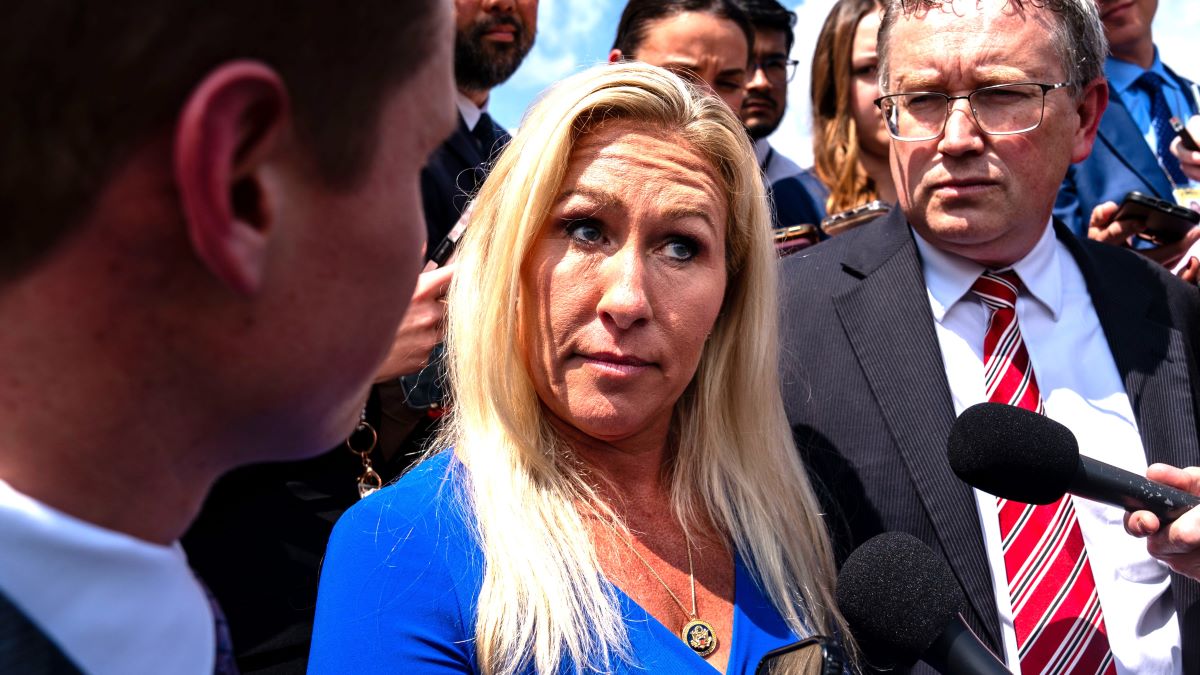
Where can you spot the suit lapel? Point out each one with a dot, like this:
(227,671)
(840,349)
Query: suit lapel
(1118,132)
(1153,360)
(1151,355)
(889,324)
(462,145)
(24,648)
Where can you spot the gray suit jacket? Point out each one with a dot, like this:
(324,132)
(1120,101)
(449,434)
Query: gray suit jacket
(25,649)
(869,403)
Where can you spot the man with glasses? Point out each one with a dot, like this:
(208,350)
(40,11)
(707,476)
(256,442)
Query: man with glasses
(763,108)
(970,292)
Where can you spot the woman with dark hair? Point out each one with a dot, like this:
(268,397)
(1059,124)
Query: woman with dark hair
(709,42)
(850,143)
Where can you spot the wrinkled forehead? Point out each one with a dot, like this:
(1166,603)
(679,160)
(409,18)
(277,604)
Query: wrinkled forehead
(985,41)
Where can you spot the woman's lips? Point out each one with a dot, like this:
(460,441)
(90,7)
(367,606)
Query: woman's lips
(621,364)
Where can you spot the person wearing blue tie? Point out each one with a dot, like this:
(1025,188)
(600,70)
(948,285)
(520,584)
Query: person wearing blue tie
(1132,149)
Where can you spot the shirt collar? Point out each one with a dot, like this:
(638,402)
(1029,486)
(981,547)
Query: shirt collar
(949,277)
(761,149)
(469,111)
(1122,74)
(86,586)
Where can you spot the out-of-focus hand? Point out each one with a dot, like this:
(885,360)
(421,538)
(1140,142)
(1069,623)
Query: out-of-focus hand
(1102,228)
(1190,271)
(1189,160)
(422,327)
(1177,544)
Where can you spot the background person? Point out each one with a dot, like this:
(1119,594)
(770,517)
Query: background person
(850,142)
(617,439)
(193,215)
(764,106)
(1131,152)
(970,292)
(708,42)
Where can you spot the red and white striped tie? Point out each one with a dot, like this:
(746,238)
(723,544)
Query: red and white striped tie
(1056,612)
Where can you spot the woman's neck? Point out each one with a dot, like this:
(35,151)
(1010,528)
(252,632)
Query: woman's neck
(879,170)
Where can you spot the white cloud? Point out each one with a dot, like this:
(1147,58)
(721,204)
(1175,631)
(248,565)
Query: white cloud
(567,32)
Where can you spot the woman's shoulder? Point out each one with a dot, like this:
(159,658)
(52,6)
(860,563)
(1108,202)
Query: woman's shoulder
(404,568)
(426,509)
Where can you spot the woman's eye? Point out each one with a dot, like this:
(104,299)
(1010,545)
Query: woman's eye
(681,249)
(587,231)
(866,71)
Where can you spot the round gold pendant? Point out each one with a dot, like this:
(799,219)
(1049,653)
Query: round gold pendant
(700,636)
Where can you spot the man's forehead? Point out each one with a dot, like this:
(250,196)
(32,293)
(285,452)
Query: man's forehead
(989,41)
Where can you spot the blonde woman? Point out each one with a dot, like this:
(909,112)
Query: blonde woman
(620,491)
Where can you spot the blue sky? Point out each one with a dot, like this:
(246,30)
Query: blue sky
(574,34)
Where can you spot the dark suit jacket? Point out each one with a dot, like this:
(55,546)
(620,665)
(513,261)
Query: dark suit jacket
(1120,161)
(453,175)
(25,649)
(869,403)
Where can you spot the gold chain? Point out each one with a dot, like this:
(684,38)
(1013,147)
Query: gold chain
(691,574)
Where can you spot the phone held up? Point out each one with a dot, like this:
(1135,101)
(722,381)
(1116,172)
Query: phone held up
(1166,222)
(792,238)
(840,222)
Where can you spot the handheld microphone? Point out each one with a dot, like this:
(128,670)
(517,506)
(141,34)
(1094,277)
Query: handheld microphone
(1020,455)
(902,603)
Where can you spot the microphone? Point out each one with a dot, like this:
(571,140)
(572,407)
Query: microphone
(902,603)
(1020,455)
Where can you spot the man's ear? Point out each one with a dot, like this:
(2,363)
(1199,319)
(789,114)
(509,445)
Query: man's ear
(229,126)
(615,56)
(1091,106)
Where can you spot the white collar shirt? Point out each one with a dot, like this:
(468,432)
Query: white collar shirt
(1082,389)
(114,604)
(775,166)
(470,112)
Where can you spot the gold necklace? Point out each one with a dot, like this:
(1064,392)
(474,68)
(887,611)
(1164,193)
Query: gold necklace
(697,633)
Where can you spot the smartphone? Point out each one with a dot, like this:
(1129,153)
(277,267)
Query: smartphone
(1185,137)
(1166,222)
(792,238)
(449,243)
(840,222)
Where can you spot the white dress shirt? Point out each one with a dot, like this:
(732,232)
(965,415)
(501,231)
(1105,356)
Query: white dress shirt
(775,166)
(469,111)
(114,604)
(1082,389)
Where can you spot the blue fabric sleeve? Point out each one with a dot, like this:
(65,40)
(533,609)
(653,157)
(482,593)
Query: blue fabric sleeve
(396,572)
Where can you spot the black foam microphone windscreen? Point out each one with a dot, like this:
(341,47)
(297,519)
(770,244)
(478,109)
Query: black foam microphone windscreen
(898,597)
(1012,452)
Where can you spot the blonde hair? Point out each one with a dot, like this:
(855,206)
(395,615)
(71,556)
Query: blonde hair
(544,599)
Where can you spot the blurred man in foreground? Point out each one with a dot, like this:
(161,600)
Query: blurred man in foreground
(194,215)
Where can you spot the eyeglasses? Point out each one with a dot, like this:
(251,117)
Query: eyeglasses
(999,110)
(776,68)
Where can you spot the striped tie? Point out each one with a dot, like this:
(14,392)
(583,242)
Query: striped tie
(1056,611)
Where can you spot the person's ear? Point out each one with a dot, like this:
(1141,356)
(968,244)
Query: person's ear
(615,56)
(229,127)
(1090,106)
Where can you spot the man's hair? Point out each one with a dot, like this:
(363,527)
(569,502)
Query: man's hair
(768,15)
(86,82)
(639,14)
(1077,36)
